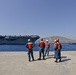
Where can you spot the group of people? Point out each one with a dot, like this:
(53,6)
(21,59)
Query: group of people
(44,49)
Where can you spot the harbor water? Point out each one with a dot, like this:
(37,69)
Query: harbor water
(65,47)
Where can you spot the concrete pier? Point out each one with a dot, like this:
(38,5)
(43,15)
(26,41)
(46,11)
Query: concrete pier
(16,63)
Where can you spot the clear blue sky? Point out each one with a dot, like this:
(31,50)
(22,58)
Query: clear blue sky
(39,17)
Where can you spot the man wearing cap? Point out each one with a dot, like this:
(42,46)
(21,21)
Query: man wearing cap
(42,47)
(58,52)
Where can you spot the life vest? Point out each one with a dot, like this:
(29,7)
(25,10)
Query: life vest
(47,45)
(42,44)
(30,45)
(59,46)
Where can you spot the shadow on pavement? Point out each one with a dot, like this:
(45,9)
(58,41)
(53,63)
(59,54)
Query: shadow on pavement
(63,60)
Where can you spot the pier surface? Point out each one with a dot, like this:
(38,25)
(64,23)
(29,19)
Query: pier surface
(16,63)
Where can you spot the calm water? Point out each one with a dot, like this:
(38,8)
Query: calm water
(65,47)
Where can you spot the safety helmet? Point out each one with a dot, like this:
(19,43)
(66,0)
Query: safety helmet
(41,39)
(46,40)
(29,40)
(57,39)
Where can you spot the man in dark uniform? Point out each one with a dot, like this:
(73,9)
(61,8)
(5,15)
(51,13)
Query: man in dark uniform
(42,47)
(58,51)
(29,45)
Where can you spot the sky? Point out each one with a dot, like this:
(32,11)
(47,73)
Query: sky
(38,17)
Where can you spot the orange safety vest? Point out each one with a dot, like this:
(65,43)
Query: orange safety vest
(42,44)
(30,45)
(47,45)
(59,46)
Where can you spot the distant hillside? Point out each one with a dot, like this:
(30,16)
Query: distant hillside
(62,39)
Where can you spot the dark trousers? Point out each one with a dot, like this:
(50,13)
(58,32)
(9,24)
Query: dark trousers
(58,54)
(41,52)
(55,53)
(30,54)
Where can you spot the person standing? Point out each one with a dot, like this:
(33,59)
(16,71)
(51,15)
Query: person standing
(29,45)
(55,48)
(42,47)
(58,52)
(47,45)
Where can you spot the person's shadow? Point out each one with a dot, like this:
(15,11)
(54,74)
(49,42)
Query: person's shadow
(63,58)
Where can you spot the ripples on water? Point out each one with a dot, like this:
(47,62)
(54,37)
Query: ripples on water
(65,47)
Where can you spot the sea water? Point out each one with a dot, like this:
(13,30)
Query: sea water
(65,47)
